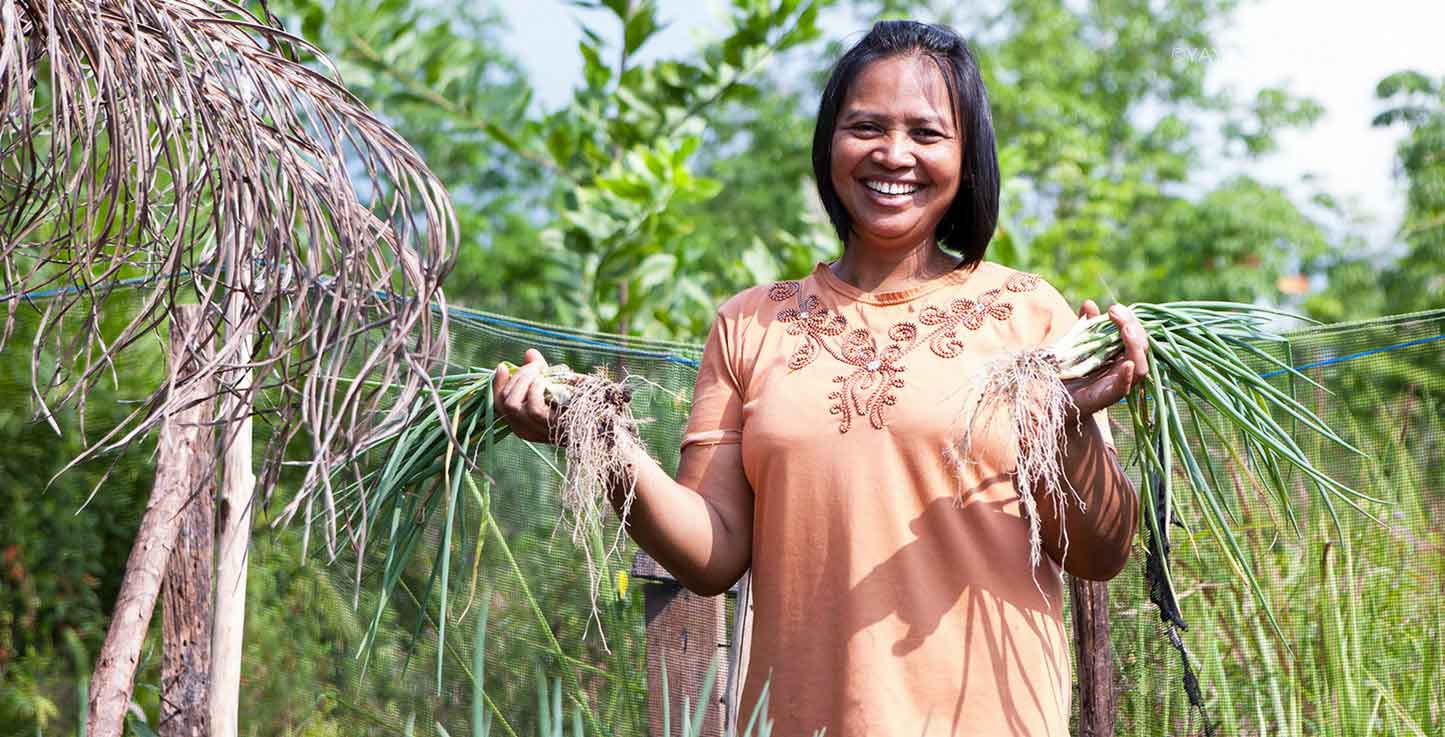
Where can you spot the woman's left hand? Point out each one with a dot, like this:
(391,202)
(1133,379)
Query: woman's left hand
(1101,389)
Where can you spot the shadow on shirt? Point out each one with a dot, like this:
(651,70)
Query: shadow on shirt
(982,526)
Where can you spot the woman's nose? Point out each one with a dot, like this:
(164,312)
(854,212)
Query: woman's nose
(894,152)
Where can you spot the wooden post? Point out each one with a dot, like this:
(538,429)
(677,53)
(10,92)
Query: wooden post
(687,632)
(1095,656)
(238,484)
(184,439)
(186,614)
(740,646)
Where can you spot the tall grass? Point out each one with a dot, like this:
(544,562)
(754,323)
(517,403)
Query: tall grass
(1359,605)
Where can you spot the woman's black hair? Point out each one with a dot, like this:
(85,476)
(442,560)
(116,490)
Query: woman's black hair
(968,225)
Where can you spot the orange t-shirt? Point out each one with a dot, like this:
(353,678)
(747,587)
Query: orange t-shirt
(892,589)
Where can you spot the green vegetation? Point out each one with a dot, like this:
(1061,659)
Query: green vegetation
(662,186)
(1358,607)
(1199,356)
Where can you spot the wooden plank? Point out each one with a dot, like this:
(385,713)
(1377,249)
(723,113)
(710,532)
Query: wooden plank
(740,645)
(686,632)
(1095,656)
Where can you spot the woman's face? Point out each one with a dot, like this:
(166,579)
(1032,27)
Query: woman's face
(896,152)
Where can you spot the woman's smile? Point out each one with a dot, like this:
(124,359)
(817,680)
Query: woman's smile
(889,191)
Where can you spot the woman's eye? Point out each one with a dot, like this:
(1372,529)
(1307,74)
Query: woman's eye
(928,134)
(867,128)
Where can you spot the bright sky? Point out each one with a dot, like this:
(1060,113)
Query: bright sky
(1331,51)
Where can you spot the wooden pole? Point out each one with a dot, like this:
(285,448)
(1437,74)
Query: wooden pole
(184,439)
(1095,655)
(687,632)
(186,615)
(238,484)
(741,645)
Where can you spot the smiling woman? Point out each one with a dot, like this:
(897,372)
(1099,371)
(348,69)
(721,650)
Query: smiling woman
(895,590)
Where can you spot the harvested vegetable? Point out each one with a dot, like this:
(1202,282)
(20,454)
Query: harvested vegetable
(1197,362)
(421,468)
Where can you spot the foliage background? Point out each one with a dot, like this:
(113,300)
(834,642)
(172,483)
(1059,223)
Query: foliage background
(664,185)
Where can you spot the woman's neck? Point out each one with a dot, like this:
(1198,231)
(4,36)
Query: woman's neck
(892,269)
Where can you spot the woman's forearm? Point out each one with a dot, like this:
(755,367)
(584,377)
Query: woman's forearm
(1099,537)
(693,537)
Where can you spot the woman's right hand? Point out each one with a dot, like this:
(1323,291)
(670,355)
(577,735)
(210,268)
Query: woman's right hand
(519,401)
(698,526)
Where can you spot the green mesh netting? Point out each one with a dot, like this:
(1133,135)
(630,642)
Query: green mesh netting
(1360,604)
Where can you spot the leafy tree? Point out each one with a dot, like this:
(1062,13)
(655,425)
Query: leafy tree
(623,145)
(1417,102)
(1408,277)
(1099,111)
(765,223)
(585,215)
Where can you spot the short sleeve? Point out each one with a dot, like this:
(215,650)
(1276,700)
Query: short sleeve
(1059,319)
(717,396)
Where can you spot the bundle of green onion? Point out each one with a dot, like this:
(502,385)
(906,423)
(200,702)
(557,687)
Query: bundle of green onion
(418,472)
(1199,385)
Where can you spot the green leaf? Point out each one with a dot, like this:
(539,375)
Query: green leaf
(629,188)
(620,8)
(312,21)
(759,263)
(140,727)
(686,149)
(640,27)
(559,145)
(655,270)
(635,103)
(596,73)
(599,226)
(702,189)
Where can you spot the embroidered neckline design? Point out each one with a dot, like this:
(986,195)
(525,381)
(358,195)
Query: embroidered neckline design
(877,372)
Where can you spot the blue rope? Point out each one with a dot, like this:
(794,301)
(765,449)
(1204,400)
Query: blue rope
(465,314)
(458,312)
(66,291)
(470,315)
(1353,356)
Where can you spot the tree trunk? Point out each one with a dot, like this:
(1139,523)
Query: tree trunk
(238,483)
(186,596)
(184,436)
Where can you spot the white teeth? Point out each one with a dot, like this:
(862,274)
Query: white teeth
(891,188)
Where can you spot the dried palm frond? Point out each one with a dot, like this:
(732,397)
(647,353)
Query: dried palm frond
(182,147)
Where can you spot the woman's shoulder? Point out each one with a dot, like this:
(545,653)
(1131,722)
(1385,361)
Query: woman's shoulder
(1036,307)
(994,275)
(1035,304)
(764,297)
(751,300)
(1018,285)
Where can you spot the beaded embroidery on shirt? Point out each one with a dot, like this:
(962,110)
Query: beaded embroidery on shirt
(877,372)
